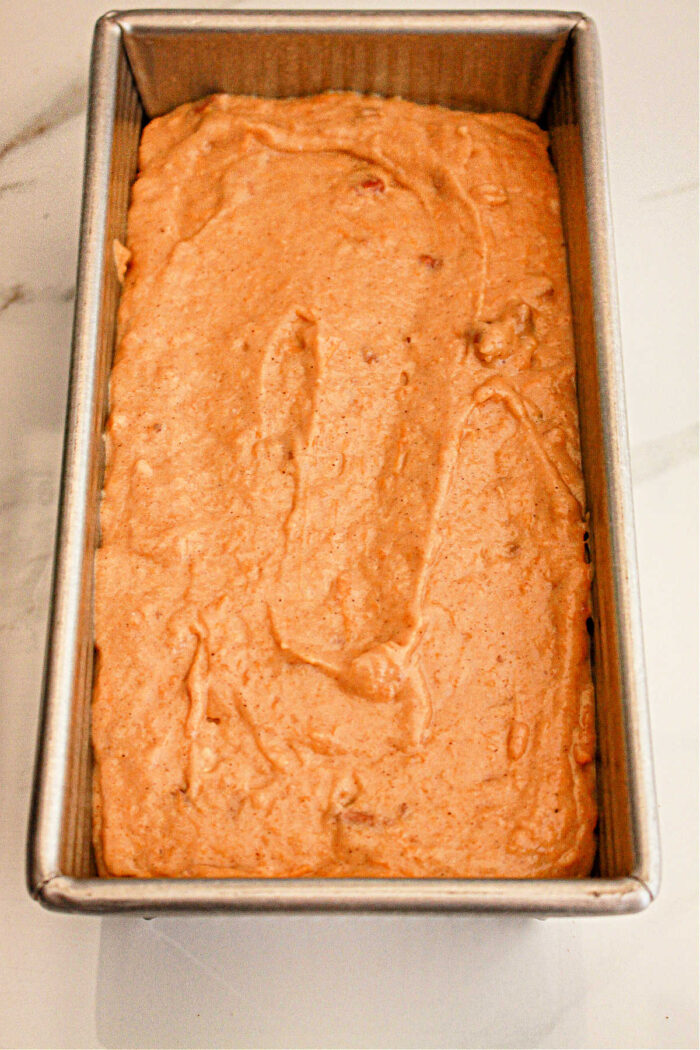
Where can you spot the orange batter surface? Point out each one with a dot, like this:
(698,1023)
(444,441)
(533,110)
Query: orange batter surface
(341,596)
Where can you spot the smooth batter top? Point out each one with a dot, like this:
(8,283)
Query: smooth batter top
(342,591)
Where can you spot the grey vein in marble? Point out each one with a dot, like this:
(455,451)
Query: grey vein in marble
(17,186)
(28,500)
(19,294)
(672,191)
(68,103)
(654,457)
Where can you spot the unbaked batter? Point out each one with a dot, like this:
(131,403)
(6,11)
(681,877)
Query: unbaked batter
(341,596)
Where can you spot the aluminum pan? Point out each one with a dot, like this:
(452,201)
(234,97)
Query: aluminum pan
(543,65)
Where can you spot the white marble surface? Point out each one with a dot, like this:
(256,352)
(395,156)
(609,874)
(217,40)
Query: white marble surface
(348,981)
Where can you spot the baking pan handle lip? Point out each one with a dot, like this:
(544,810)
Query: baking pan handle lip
(94,896)
(164,20)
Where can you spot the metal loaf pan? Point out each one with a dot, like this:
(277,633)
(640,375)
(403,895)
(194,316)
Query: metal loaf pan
(544,66)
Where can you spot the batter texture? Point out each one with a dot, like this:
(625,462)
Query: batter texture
(342,590)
